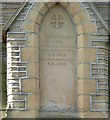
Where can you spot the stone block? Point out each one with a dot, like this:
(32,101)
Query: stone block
(74,8)
(30,54)
(50,4)
(38,6)
(32,39)
(39,18)
(86,27)
(83,71)
(33,70)
(33,101)
(80,86)
(64,4)
(30,26)
(95,115)
(86,55)
(83,41)
(16,35)
(80,102)
(89,27)
(32,113)
(80,17)
(30,85)
(86,86)
(35,15)
(87,102)
(19,105)
(44,10)
(20,42)
(103,30)
(86,70)
(84,102)
(32,14)
(99,37)
(80,29)
(14,28)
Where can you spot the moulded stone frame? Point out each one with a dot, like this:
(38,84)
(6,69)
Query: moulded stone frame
(79,25)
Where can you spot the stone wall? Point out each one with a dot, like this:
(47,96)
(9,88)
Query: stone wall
(24,42)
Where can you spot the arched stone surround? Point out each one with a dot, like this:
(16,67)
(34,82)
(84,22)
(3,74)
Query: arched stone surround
(85,55)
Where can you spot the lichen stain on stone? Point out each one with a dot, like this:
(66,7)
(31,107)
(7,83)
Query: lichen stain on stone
(52,106)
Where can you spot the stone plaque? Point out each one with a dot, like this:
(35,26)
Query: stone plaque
(57,62)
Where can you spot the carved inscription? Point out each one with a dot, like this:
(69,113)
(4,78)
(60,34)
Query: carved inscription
(57,21)
(55,51)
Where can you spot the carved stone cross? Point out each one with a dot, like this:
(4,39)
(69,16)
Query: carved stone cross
(57,21)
